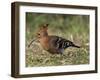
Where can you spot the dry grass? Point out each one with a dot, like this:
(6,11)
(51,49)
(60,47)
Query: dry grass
(36,56)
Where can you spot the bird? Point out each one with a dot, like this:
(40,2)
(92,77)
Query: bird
(52,43)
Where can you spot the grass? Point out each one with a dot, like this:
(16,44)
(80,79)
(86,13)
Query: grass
(71,27)
(71,56)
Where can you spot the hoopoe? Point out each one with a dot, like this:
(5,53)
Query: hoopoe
(52,43)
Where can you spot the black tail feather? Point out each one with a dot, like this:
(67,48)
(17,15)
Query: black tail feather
(76,46)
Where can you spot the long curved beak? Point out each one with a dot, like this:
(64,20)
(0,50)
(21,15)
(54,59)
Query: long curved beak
(32,42)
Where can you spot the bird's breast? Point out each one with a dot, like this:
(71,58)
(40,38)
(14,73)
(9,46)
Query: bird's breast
(44,43)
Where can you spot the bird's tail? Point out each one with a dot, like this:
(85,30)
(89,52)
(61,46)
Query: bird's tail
(76,46)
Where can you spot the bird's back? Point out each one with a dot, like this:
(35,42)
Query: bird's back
(58,44)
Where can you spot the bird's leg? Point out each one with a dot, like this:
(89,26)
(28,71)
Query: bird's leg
(62,54)
(61,51)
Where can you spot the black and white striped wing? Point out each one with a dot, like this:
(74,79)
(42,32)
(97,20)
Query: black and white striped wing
(61,43)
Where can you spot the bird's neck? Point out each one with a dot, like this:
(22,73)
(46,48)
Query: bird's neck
(44,40)
(44,35)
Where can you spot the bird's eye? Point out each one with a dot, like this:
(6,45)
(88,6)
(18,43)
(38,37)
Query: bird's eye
(38,34)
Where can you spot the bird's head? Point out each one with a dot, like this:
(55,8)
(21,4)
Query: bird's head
(42,32)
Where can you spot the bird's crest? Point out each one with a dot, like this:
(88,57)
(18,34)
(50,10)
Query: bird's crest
(44,27)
